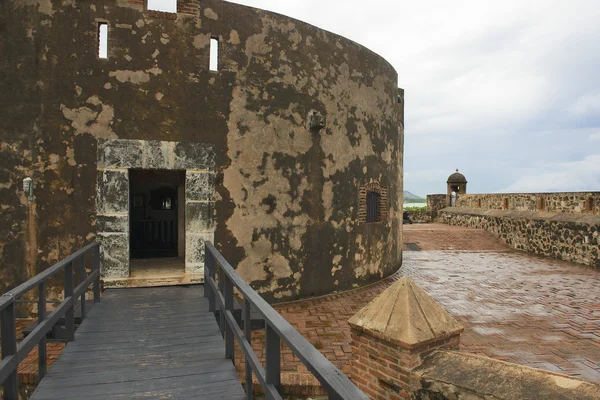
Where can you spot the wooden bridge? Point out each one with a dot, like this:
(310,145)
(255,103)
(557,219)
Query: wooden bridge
(155,342)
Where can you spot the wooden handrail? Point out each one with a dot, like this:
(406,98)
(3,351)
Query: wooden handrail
(277,329)
(13,354)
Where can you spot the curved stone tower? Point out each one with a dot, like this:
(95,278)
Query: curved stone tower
(288,156)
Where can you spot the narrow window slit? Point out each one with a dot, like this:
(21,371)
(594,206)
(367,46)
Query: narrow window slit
(102,40)
(214,54)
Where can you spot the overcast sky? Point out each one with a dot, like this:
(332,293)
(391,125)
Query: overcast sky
(506,91)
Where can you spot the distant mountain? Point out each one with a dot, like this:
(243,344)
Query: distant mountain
(410,196)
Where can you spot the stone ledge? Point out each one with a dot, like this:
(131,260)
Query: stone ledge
(454,375)
(183,279)
(590,219)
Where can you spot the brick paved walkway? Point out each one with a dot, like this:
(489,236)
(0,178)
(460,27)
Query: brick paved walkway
(446,237)
(529,310)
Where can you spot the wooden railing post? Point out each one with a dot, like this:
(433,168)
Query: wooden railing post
(9,348)
(96,267)
(248,335)
(222,275)
(229,347)
(81,264)
(273,357)
(42,344)
(209,272)
(70,314)
(277,330)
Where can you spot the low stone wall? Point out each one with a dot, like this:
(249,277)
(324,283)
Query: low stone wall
(567,202)
(436,202)
(567,236)
(420,216)
(453,375)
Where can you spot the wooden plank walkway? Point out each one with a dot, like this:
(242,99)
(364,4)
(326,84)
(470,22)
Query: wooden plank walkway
(145,343)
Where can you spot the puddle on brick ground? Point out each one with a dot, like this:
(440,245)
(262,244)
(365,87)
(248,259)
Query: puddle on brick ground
(482,330)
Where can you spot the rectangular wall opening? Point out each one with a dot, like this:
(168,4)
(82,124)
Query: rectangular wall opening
(214,54)
(154,213)
(589,205)
(102,40)
(169,6)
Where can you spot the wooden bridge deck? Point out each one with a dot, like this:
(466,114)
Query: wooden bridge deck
(145,343)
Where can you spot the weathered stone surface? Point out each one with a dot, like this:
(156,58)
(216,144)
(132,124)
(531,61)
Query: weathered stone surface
(405,315)
(114,255)
(112,194)
(199,218)
(199,186)
(453,375)
(113,223)
(115,153)
(158,155)
(286,199)
(194,251)
(436,202)
(563,202)
(193,156)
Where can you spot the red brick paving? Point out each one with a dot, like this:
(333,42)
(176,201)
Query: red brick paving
(529,310)
(28,369)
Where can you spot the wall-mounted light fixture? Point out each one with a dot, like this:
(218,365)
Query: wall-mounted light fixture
(28,186)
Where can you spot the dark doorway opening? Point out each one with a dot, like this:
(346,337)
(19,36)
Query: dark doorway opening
(154,211)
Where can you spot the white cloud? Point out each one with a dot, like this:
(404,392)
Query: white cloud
(582,175)
(586,105)
(491,87)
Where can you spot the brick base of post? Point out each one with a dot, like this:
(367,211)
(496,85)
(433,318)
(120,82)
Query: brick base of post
(383,369)
(392,335)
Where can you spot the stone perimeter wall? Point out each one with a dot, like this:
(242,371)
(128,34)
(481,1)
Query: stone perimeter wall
(568,202)
(569,237)
(286,198)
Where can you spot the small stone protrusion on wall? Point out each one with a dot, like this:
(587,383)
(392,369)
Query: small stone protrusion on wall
(392,335)
(316,121)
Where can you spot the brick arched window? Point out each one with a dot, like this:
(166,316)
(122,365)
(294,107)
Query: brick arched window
(373,199)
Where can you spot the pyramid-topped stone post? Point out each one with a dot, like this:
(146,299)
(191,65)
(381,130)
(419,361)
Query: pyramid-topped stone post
(392,334)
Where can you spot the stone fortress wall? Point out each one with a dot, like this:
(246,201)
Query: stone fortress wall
(277,146)
(561,225)
(568,202)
